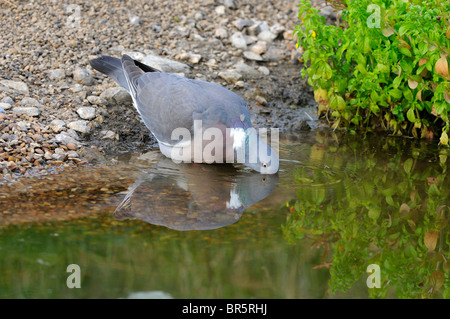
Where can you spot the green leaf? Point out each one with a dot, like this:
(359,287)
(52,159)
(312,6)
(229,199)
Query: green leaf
(405,51)
(396,93)
(410,115)
(324,70)
(396,82)
(407,165)
(423,48)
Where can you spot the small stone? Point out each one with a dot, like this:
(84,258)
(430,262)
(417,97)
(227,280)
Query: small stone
(221,33)
(116,95)
(83,76)
(5,106)
(220,10)
(231,76)
(254,29)
(29,101)
(96,100)
(252,56)
(264,70)
(259,47)
(7,99)
(267,36)
(261,100)
(56,74)
(57,125)
(29,111)
(66,139)
(242,23)
(274,54)
(238,41)
(72,154)
(276,29)
(18,86)
(134,20)
(190,57)
(108,134)
(246,70)
(86,112)
(229,4)
(71,146)
(79,126)
(165,65)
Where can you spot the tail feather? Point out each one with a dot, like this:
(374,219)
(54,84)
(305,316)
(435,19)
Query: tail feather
(112,67)
(132,72)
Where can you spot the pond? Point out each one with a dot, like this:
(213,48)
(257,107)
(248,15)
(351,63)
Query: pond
(347,216)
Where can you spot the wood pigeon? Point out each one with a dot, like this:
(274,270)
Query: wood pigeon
(192,120)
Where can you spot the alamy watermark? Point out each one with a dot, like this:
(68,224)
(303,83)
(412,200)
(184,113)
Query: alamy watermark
(74,279)
(226,145)
(374,278)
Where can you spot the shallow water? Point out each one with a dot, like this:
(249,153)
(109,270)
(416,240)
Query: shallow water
(145,225)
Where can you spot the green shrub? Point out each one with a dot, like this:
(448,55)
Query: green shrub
(383,66)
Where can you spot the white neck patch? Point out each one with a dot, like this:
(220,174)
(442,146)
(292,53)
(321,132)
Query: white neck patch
(238,135)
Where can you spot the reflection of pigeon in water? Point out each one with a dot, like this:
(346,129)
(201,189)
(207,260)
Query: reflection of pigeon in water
(193,197)
(168,103)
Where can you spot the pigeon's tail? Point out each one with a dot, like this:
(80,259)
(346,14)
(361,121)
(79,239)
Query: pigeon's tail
(112,67)
(131,72)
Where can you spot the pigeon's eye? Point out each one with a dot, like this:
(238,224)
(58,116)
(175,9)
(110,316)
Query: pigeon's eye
(264,165)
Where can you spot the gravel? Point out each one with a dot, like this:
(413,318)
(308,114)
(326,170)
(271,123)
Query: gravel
(47,84)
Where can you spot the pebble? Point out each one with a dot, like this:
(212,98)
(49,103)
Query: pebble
(96,100)
(27,110)
(83,76)
(66,139)
(221,33)
(116,95)
(56,74)
(259,47)
(220,10)
(242,23)
(246,70)
(252,56)
(18,86)
(229,4)
(238,41)
(57,125)
(231,76)
(165,65)
(7,99)
(134,20)
(267,36)
(264,70)
(79,126)
(29,101)
(5,106)
(86,112)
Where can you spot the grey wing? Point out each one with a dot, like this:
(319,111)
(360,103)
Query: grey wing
(166,102)
(232,102)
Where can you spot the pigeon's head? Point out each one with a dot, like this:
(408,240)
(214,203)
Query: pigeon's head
(252,151)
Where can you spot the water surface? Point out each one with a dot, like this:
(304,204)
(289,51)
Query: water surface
(339,204)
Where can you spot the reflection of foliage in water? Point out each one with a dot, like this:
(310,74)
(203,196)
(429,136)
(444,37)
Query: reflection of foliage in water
(391,210)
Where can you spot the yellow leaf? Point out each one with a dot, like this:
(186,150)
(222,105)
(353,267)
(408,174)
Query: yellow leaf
(412,84)
(313,34)
(444,138)
(430,239)
(441,66)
